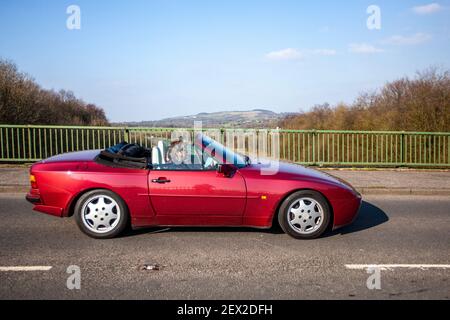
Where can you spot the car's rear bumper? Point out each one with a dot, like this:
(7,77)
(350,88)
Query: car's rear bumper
(53,211)
(35,198)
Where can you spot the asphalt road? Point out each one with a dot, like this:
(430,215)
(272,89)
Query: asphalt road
(219,263)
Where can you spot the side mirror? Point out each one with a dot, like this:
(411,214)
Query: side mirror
(228,170)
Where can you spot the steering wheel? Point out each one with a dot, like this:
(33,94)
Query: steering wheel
(210,163)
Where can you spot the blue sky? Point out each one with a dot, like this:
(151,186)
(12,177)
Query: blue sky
(150,59)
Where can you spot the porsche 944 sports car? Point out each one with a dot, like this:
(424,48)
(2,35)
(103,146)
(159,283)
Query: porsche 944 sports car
(108,190)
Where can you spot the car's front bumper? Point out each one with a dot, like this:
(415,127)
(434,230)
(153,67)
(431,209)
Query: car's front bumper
(347,210)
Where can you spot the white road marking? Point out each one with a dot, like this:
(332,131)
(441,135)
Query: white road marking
(393,266)
(26,268)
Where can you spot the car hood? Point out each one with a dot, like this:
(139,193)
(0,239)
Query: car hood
(290,171)
(79,156)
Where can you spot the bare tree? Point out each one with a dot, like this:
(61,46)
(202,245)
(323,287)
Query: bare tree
(418,104)
(23,101)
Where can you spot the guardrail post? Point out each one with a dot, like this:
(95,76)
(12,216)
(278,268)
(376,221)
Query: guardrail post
(126,135)
(314,134)
(402,150)
(222,135)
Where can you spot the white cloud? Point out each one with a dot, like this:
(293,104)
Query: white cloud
(296,54)
(428,8)
(285,54)
(414,39)
(363,48)
(324,52)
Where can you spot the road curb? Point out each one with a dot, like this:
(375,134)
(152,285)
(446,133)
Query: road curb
(14,189)
(403,191)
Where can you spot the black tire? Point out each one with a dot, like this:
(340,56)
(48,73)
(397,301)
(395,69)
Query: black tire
(284,215)
(119,225)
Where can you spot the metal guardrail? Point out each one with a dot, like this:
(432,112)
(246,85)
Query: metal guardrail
(23,143)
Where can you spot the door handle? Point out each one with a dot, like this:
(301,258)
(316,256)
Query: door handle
(160,180)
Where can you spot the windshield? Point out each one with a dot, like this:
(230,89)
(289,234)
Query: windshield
(220,153)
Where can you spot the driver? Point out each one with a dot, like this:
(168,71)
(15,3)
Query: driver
(177,152)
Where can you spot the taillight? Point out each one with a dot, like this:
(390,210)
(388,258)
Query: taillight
(33,181)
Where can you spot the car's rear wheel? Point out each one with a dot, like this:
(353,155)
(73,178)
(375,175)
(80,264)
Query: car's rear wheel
(101,214)
(304,214)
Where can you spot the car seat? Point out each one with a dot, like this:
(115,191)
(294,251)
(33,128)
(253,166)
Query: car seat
(159,152)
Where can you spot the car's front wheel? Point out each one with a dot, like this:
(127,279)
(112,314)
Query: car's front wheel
(304,214)
(101,214)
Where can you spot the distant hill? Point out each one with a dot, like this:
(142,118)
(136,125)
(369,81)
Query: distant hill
(257,118)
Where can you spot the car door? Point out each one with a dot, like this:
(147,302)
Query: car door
(197,197)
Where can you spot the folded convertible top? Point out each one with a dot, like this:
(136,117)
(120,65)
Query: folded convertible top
(125,155)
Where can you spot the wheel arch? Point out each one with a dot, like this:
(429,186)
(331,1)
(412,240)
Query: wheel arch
(277,209)
(71,207)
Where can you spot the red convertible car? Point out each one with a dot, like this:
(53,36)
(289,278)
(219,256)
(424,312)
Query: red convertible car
(106,191)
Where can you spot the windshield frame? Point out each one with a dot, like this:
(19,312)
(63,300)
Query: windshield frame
(221,153)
